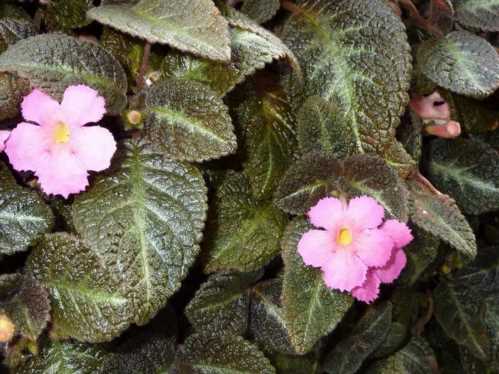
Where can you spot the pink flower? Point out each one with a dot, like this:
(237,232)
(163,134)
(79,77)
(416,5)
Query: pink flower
(4,135)
(60,149)
(352,246)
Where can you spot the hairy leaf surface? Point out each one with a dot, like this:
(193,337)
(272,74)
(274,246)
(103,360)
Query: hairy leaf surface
(482,14)
(14,29)
(260,10)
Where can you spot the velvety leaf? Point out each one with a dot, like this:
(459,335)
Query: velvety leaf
(66,15)
(14,29)
(260,11)
(65,358)
(354,54)
(222,304)
(52,62)
(468,170)
(410,134)
(462,63)
(12,91)
(88,300)
(415,358)
(26,303)
(267,126)
(243,235)
(311,309)
(209,354)
(194,26)
(188,121)
(317,175)
(12,11)
(24,216)
(150,222)
(478,14)
(440,216)
(368,334)
(286,364)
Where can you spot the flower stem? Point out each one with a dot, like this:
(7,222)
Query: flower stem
(144,66)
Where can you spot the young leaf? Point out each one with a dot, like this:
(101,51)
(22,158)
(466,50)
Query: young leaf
(24,216)
(52,62)
(355,54)
(188,121)
(150,222)
(317,175)
(260,11)
(468,170)
(348,356)
(243,234)
(311,309)
(194,26)
(440,216)
(66,15)
(207,353)
(483,15)
(462,63)
(14,29)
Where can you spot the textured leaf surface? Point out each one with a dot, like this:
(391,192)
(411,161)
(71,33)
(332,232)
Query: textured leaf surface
(66,15)
(194,26)
(14,29)
(260,10)
(355,54)
(468,170)
(52,62)
(317,175)
(348,356)
(188,121)
(482,14)
(462,63)
(243,234)
(208,354)
(24,216)
(12,91)
(311,309)
(441,217)
(151,217)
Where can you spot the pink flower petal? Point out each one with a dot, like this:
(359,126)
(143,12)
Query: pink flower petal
(398,231)
(40,108)
(316,247)
(94,146)
(4,135)
(373,247)
(26,145)
(82,104)
(61,173)
(430,107)
(392,270)
(326,212)
(369,291)
(344,271)
(365,212)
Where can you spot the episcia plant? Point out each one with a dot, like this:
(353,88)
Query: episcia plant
(252,186)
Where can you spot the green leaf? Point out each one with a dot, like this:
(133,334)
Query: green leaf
(481,14)
(440,216)
(317,175)
(12,91)
(222,304)
(267,126)
(468,170)
(260,11)
(150,222)
(27,304)
(188,121)
(243,235)
(462,63)
(65,358)
(52,62)
(12,11)
(209,354)
(415,358)
(194,26)
(66,15)
(410,134)
(14,29)
(88,301)
(24,216)
(354,54)
(286,364)
(348,356)
(311,309)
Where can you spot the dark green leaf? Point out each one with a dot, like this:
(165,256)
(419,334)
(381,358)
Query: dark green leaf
(188,121)
(311,309)
(194,26)
(12,11)
(482,14)
(14,29)
(462,63)
(24,216)
(52,62)
(410,134)
(317,175)
(243,235)
(440,216)
(209,354)
(12,91)
(292,364)
(260,10)
(66,15)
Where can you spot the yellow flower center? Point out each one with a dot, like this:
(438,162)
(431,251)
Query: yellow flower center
(344,237)
(61,133)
